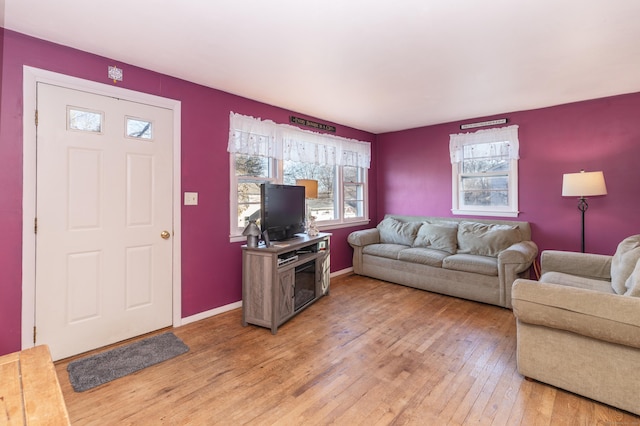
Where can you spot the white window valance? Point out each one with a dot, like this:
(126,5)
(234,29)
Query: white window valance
(253,136)
(503,134)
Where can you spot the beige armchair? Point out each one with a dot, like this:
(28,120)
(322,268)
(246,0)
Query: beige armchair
(578,328)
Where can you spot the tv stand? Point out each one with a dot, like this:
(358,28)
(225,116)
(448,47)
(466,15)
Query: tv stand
(282,280)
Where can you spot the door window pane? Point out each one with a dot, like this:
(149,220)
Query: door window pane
(84,120)
(139,129)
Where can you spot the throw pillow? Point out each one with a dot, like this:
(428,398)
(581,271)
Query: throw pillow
(633,282)
(486,239)
(623,262)
(393,231)
(441,236)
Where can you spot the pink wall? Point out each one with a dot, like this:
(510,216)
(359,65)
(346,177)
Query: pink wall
(211,266)
(414,172)
(411,173)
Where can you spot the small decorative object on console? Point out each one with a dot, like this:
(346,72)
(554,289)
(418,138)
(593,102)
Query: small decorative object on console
(252,232)
(312,229)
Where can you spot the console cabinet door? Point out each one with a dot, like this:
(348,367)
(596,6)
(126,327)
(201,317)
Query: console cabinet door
(325,275)
(285,293)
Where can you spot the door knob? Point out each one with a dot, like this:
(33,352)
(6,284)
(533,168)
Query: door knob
(165,235)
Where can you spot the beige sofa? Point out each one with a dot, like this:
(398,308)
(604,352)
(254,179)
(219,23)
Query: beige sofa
(466,258)
(579,327)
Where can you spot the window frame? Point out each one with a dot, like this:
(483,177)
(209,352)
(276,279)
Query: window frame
(363,173)
(282,142)
(235,234)
(506,134)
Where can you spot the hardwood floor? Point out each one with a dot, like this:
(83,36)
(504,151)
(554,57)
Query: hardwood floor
(371,353)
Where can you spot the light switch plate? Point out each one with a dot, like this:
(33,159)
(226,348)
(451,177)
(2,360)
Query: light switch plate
(190,198)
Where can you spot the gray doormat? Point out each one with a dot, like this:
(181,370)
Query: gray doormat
(95,370)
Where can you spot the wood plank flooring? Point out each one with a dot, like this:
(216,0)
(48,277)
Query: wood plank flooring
(371,353)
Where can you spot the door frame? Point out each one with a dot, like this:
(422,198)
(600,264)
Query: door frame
(32,76)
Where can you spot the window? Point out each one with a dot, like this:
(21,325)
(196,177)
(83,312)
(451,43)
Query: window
(485,172)
(354,191)
(323,208)
(262,151)
(250,173)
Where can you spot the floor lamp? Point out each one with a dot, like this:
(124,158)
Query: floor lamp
(583,184)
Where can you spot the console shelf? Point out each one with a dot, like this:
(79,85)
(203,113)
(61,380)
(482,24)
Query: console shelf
(282,280)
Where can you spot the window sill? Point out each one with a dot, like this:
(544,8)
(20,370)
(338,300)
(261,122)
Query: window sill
(323,228)
(339,225)
(485,213)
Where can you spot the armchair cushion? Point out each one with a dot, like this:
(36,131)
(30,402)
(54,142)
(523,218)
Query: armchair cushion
(633,282)
(608,317)
(588,265)
(576,281)
(623,265)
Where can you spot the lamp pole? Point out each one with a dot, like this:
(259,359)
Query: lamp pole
(583,206)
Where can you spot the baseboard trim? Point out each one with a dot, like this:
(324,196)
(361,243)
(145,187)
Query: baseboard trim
(236,305)
(211,312)
(341,272)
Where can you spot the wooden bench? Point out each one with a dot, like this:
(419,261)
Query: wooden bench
(29,389)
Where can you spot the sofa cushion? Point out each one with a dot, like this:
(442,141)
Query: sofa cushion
(384,250)
(441,236)
(576,281)
(425,256)
(624,262)
(472,263)
(486,239)
(633,282)
(395,232)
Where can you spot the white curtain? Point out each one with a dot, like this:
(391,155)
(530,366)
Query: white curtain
(503,134)
(252,136)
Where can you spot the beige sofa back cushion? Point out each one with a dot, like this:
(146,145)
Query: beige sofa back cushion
(486,240)
(441,236)
(524,227)
(633,282)
(393,231)
(624,263)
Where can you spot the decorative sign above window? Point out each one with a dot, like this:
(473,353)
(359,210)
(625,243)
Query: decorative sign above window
(483,123)
(115,74)
(314,124)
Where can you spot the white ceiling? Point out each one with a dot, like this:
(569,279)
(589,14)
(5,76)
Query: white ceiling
(376,65)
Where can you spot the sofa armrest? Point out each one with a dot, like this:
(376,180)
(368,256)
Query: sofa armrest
(603,316)
(358,240)
(513,263)
(364,237)
(522,254)
(586,265)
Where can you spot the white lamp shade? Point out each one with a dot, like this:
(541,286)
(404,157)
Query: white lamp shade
(310,187)
(583,184)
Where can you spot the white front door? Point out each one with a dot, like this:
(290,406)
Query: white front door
(104,219)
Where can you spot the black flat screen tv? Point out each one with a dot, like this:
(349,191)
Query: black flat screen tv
(282,210)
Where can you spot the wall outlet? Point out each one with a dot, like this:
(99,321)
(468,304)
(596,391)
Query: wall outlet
(190,198)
